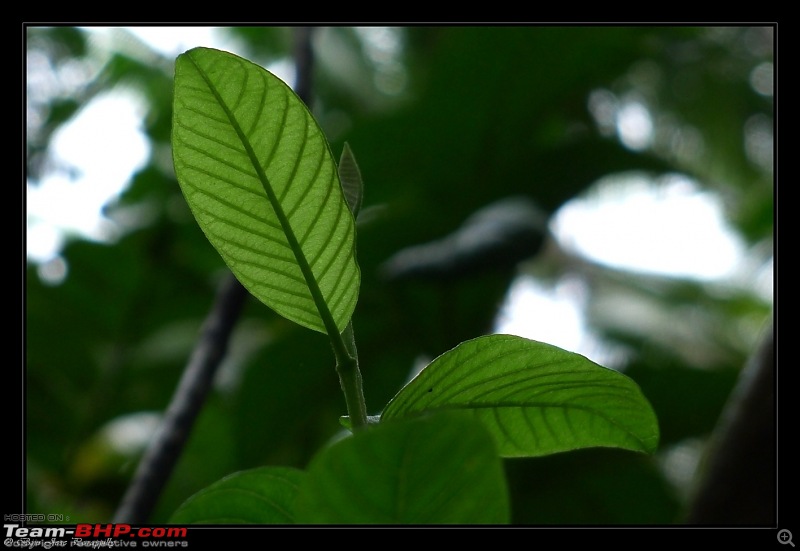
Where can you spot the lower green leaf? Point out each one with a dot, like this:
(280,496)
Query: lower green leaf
(439,469)
(535,398)
(259,496)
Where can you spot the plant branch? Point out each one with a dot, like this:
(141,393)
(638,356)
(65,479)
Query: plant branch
(350,380)
(738,483)
(163,452)
(304,63)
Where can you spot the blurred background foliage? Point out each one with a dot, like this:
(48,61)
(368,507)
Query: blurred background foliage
(443,121)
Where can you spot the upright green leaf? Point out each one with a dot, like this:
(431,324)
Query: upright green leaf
(264,495)
(260,179)
(534,398)
(352,183)
(439,469)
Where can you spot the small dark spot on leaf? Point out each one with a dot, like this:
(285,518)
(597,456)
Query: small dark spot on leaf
(430,390)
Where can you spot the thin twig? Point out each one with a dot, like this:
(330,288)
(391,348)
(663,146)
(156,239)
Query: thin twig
(304,63)
(161,456)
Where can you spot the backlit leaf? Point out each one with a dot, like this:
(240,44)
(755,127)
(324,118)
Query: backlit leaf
(535,398)
(260,179)
(352,183)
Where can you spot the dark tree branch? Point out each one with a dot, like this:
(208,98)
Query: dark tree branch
(161,456)
(304,63)
(164,451)
(738,480)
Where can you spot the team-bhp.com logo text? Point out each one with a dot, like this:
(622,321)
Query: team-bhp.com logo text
(94,536)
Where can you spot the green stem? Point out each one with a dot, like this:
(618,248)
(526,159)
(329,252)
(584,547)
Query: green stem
(350,378)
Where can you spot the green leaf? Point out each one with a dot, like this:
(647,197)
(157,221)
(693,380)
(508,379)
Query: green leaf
(440,469)
(535,399)
(352,184)
(260,179)
(264,495)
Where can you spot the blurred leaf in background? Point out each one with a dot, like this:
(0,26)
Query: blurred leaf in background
(443,121)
